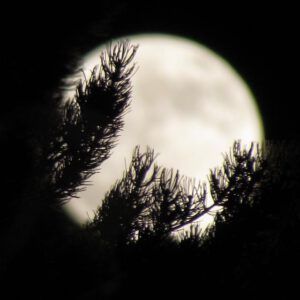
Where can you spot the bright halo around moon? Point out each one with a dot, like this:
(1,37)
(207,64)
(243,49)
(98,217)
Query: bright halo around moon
(188,104)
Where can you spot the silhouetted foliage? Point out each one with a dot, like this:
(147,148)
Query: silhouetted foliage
(91,122)
(132,247)
(158,201)
(148,201)
(58,150)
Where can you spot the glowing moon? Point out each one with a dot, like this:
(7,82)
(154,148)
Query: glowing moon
(187,103)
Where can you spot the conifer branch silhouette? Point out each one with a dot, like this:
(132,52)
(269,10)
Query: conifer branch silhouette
(125,208)
(153,200)
(237,183)
(147,200)
(50,151)
(91,121)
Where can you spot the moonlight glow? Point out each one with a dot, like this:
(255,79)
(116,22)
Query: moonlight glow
(188,104)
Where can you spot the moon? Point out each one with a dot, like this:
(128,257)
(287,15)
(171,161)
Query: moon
(188,104)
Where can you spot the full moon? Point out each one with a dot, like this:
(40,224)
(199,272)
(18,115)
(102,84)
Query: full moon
(188,104)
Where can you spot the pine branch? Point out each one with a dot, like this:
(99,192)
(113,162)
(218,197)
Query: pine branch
(126,207)
(158,201)
(148,200)
(91,122)
(177,201)
(238,181)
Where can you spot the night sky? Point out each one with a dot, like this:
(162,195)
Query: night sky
(41,44)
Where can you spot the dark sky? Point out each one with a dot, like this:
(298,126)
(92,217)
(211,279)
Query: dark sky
(40,43)
(258,41)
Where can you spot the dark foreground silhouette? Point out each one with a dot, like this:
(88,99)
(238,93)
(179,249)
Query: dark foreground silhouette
(128,249)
